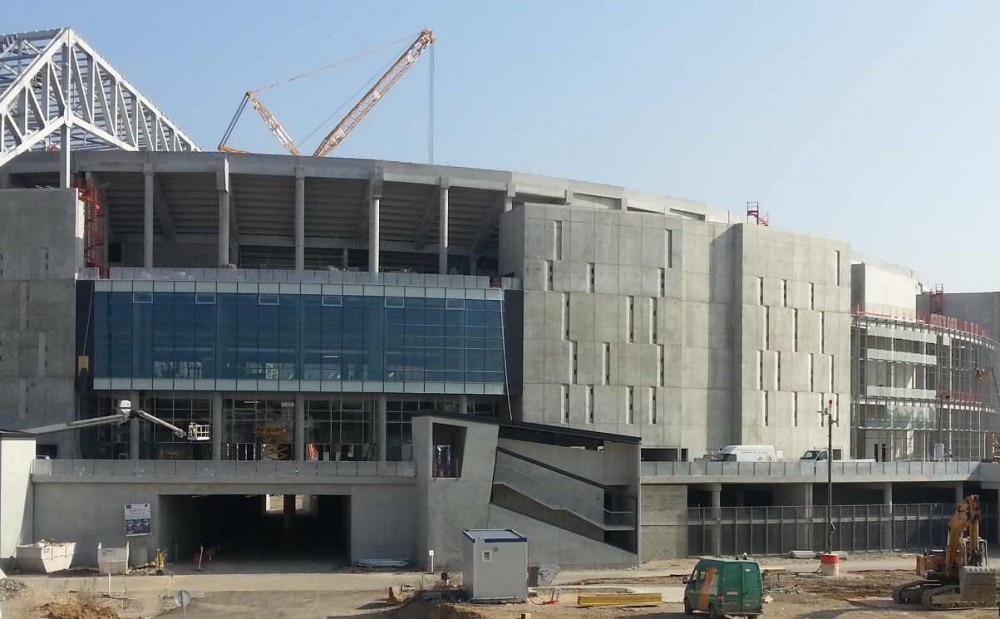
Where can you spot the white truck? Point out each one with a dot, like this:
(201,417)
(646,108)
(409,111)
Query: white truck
(820,454)
(747,453)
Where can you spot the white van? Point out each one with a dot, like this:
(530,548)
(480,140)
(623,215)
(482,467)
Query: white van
(747,453)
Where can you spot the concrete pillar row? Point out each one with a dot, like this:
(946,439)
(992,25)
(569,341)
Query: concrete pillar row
(300,427)
(887,494)
(222,184)
(373,233)
(443,229)
(716,536)
(216,428)
(300,219)
(147,216)
(380,423)
(508,200)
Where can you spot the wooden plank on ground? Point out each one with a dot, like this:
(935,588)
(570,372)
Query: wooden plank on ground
(619,599)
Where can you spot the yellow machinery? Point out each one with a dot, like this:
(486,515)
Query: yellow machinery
(956,577)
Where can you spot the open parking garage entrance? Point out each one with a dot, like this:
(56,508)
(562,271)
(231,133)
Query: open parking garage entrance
(251,532)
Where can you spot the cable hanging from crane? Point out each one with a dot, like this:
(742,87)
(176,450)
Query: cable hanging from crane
(340,132)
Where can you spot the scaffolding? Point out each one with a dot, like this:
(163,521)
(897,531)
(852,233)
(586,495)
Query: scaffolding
(920,389)
(93,221)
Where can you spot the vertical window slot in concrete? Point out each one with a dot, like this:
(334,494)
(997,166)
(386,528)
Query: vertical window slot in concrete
(661,362)
(630,405)
(564,403)
(777,369)
(833,372)
(652,321)
(764,405)
(669,250)
(548,275)
(812,296)
(795,409)
(822,320)
(653,417)
(565,316)
(795,330)
(573,362)
(767,328)
(812,374)
(784,293)
(760,369)
(557,239)
(760,290)
(663,282)
(590,277)
(606,362)
(836,265)
(589,404)
(630,319)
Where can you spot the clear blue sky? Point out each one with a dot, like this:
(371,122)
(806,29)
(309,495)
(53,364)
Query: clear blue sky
(872,122)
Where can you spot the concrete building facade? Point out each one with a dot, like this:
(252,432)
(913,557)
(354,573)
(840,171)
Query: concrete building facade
(572,343)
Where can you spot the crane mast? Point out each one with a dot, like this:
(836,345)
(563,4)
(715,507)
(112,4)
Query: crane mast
(375,93)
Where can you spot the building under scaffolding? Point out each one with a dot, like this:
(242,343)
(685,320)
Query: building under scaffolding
(922,388)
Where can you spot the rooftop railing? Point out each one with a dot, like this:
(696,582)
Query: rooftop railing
(210,469)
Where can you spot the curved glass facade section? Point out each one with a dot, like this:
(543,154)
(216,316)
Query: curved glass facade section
(326,342)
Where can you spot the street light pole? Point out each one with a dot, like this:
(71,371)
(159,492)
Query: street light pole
(827,416)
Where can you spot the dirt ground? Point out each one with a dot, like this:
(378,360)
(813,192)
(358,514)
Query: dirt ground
(797,595)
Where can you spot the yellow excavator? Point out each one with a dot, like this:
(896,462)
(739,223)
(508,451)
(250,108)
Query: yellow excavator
(958,576)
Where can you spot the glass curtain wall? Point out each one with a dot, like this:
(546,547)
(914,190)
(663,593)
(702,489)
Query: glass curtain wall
(279,337)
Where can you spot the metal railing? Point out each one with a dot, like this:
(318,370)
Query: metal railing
(797,469)
(560,497)
(859,528)
(401,278)
(209,469)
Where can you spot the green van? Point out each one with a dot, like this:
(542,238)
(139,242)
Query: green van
(723,587)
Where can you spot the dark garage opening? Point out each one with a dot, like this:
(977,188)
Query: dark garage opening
(248,531)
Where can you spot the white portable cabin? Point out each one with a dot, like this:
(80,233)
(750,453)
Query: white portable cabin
(495,565)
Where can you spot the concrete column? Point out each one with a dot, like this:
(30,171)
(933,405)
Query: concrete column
(716,537)
(222,183)
(147,217)
(380,426)
(288,519)
(216,428)
(473,265)
(373,233)
(886,522)
(133,429)
(959,492)
(443,229)
(300,427)
(300,219)
(463,404)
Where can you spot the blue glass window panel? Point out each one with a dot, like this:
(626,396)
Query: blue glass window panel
(454,304)
(267,298)
(185,335)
